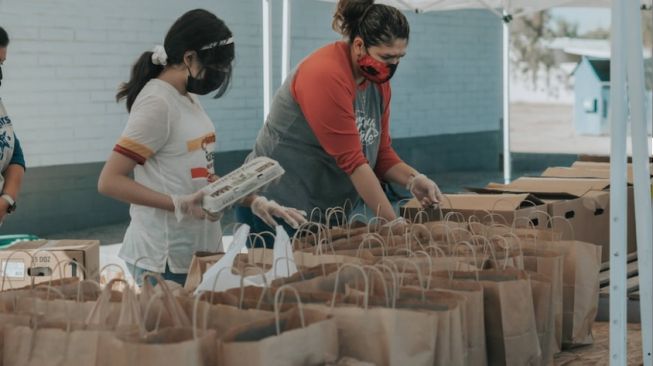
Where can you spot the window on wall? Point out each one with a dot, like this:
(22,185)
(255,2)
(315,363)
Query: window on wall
(590,105)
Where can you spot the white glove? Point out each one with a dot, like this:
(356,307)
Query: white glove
(266,210)
(424,190)
(190,205)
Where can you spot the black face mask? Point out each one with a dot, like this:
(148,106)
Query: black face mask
(212,80)
(0,76)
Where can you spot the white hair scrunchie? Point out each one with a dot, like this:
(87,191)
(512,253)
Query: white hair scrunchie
(159,55)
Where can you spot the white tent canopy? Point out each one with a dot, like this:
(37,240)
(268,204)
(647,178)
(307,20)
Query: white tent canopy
(514,7)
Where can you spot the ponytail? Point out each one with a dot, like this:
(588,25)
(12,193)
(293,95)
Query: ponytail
(142,72)
(197,30)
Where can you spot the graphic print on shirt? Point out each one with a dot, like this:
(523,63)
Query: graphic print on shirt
(367,128)
(207,144)
(5,143)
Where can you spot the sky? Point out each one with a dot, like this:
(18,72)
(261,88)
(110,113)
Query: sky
(587,18)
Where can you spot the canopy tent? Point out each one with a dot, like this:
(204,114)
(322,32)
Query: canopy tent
(628,75)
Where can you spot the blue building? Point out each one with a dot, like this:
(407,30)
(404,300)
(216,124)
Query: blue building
(592,95)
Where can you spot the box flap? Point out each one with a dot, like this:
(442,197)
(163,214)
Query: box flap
(497,188)
(552,187)
(487,202)
(596,169)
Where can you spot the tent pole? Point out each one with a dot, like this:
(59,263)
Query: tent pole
(507,161)
(285,55)
(618,205)
(641,173)
(267,57)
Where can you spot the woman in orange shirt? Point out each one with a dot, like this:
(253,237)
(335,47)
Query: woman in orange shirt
(329,122)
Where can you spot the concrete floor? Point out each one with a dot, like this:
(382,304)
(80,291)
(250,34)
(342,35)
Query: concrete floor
(549,129)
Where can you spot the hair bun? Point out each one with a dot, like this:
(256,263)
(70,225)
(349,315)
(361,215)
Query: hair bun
(348,14)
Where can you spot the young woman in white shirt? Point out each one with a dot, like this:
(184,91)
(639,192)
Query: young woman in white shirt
(168,146)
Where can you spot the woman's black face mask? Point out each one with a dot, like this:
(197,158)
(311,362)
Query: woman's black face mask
(210,81)
(0,76)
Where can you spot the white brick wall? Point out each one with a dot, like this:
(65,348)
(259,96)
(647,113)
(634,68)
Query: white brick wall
(67,57)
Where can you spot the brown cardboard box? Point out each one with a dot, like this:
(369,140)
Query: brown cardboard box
(601,170)
(39,261)
(509,206)
(584,202)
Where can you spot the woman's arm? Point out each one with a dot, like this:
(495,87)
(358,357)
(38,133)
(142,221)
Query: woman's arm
(369,188)
(13,176)
(115,182)
(400,174)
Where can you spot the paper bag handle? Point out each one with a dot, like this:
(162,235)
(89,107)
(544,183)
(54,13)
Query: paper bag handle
(277,299)
(367,284)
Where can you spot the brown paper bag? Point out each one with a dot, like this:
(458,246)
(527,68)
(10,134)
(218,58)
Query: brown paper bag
(50,346)
(304,337)
(383,336)
(169,346)
(446,310)
(198,265)
(582,264)
(549,264)
(7,322)
(544,317)
(511,334)
(472,308)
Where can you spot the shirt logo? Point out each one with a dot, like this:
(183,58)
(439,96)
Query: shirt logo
(367,129)
(5,142)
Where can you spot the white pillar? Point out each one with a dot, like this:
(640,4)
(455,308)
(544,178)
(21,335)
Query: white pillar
(285,55)
(267,57)
(507,161)
(618,196)
(641,171)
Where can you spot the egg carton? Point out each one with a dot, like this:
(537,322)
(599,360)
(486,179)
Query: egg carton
(240,183)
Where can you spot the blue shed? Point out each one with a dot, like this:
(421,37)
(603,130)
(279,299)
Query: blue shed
(592,96)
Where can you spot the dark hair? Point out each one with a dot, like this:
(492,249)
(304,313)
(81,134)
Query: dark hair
(376,24)
(4,38)
(197,30)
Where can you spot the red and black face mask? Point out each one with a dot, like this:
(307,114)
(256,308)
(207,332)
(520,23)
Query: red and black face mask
(376,71)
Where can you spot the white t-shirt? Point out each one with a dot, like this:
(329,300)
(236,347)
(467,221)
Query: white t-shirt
(172,139)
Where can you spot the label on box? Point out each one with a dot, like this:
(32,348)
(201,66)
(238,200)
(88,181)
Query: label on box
(13,269)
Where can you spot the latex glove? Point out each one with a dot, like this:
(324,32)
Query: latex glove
(424,190)
(266,210)
(190,205)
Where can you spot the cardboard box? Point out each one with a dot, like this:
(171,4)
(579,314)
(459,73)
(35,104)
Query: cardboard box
(33,262)
(509,206)
(602,169)
(584,202)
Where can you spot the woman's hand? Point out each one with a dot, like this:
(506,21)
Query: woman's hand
(266,210)
(424,190)
(190,205)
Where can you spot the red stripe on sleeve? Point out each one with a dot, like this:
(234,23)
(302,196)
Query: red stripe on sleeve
(139,159)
